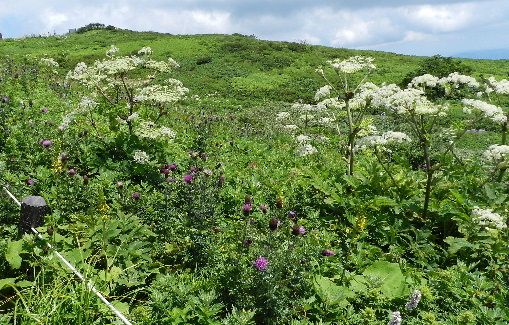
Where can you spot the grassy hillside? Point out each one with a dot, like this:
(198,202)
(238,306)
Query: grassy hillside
(235,66)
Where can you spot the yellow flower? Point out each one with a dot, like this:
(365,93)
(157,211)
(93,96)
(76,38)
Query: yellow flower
(103,208)
(361,223)
(58,166)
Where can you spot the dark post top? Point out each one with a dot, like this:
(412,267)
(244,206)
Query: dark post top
(33,210)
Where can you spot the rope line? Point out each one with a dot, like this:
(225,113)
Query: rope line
(89,283)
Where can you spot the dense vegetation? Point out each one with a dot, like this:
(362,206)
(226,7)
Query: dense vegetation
(222,187)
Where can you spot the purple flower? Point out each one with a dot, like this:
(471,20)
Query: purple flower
(172,167)
(274,224)
(71,172)
(247,208)
(298,230)
(44,110)
(247,242)
(328,252)
(188,178)
(193,170)
(136,196)
(292,215)
(30,181)
(165,169)
(46,143)
(261,263)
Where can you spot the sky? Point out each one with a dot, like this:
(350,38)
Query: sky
(415,27)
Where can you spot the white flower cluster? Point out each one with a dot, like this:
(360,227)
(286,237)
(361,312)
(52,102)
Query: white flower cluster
(303,138)
(49,62)
(353,64)
(425,80)
(495,113)
(290,127)
(161,94)
(499,87)
(414,300)
(141,157)
(306,149)
(160,66)
(497,153)
(118,65)
(488,218)
(323,92)
(411,101)
(149,130)
(282,115)
(85,105)
(332,103)
(112,51)
(387,138)
(456,80)
(145,51)
(395,318)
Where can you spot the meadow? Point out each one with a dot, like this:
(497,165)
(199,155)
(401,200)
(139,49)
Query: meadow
(222,179)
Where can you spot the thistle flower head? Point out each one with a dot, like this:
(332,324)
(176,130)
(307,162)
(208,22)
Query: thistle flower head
(274,224)
(247,208)
(136,196)
(298,230)
(328,252)
(261,264)
(188,179)
(46,143)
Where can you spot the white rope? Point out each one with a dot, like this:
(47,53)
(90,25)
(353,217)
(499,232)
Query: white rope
(75,271)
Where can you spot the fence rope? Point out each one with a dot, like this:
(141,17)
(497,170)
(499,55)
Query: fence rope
(89,283)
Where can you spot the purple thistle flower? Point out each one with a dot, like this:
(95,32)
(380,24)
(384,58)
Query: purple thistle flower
(71,172)
(44,110)
(187,178)
(264,208)
(30,182)
(274,224)
(328,252)
(193,170)
(292,215)
(46,143)
(172,167)
(261,264)
(136,196)
(247,208)
(165,169)
(298,230)
(247,242)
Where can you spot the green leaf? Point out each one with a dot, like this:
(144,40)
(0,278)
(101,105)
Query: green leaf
(456,244)
(393,284)
(331,293)
(7,282)
(14,248)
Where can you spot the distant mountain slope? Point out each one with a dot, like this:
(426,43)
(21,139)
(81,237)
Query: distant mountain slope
(494,54)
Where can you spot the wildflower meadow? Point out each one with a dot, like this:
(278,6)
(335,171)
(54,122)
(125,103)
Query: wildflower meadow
(218,179)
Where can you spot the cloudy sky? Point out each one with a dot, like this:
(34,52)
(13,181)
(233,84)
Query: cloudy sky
(417,27)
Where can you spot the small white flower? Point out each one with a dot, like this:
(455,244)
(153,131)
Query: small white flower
(306,149)
(141,157)
(112,51)
(282,115)
(488,218)
(145,51)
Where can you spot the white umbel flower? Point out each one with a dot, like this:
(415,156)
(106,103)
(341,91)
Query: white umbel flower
(141,157)
(497,153)
(500,87)
(306,149)
(494,113)
(425,80)
(488,218)
(323,92)
(353,64)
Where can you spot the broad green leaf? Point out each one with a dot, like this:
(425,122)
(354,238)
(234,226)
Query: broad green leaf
(392,279)
(331,293)
(14,248)
(7,282)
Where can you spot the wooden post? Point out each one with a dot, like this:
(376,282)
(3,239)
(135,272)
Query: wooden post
(33,210)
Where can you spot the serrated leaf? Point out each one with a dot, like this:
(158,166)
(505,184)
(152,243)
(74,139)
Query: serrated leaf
(456,244)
